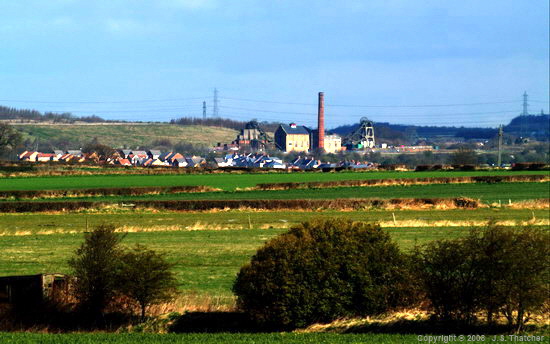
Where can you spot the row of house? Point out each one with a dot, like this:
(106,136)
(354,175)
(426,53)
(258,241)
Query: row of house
(154,158)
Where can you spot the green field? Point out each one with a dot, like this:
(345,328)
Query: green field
(206,261)
(126,135)
(236,338)
(224,181)
(208,248)
(487,193)
(36,223)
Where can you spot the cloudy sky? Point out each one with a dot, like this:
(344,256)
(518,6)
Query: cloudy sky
(453,62)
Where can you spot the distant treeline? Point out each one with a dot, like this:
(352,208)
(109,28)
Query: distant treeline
(535,126)
(7,113)
(410,133)
(223,122)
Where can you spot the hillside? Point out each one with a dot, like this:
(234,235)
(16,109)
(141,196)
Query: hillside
(121,135)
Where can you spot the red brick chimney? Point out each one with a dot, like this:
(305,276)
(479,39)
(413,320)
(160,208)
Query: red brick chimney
(321,121)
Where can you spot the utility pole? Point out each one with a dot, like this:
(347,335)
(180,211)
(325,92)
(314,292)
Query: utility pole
(500,134)
(215,111)
(203,110)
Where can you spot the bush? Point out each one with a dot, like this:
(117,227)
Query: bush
(497,271)
(320,271)
(96,266)
(146,277)
(106,272)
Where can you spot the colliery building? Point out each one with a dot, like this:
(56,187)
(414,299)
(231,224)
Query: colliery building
(294,138)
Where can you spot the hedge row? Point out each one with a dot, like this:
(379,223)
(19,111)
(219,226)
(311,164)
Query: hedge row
(130,191)
(402,181)
(203,205)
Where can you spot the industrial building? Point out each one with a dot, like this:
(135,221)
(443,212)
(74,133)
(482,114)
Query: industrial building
(294,138)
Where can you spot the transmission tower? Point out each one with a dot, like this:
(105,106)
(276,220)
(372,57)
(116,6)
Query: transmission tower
(500,134)
(525,104)
(203,110)
(215,111)
(524,115)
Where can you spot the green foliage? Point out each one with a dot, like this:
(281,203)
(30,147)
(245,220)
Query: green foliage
(105,271)
(96,266)
(464,156)
(320,271)
(498,270)
(9,138)
(146,277)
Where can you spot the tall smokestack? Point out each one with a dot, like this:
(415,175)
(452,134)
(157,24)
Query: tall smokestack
(321,121)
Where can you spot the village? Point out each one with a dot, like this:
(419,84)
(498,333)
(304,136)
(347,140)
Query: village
(249,150)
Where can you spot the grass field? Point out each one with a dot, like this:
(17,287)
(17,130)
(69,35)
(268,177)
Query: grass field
(208,248)
(487,193)
(206,261)
(236,338)
(39,223)
(224,181)
(127,135)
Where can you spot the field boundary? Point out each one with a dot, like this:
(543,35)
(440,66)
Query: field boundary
(91,192)
(402,181)
(290,204)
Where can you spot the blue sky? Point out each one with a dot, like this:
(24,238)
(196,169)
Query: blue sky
(157,60)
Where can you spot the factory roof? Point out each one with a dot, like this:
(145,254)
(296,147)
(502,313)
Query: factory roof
(295,129)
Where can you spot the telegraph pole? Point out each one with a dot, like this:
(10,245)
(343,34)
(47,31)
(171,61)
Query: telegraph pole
(500,134)
(203,110)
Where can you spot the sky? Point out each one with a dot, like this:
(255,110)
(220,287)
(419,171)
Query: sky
(425,62)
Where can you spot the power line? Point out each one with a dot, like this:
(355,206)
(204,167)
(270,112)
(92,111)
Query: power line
(370,106)
(98,102)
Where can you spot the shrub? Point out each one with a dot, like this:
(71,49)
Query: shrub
(320,271)
(497,270)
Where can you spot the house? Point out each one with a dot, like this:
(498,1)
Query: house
(76,153)
(45,157)
(34,289)
(138,157)
(292,138)
(179,162)
(154,153)
(66,157)
(123,162)
(306,163)
(59,153)
(195,161)
(221,162)
(332,143)
(124,153)
(173,156)
(28,156)
(152,162)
